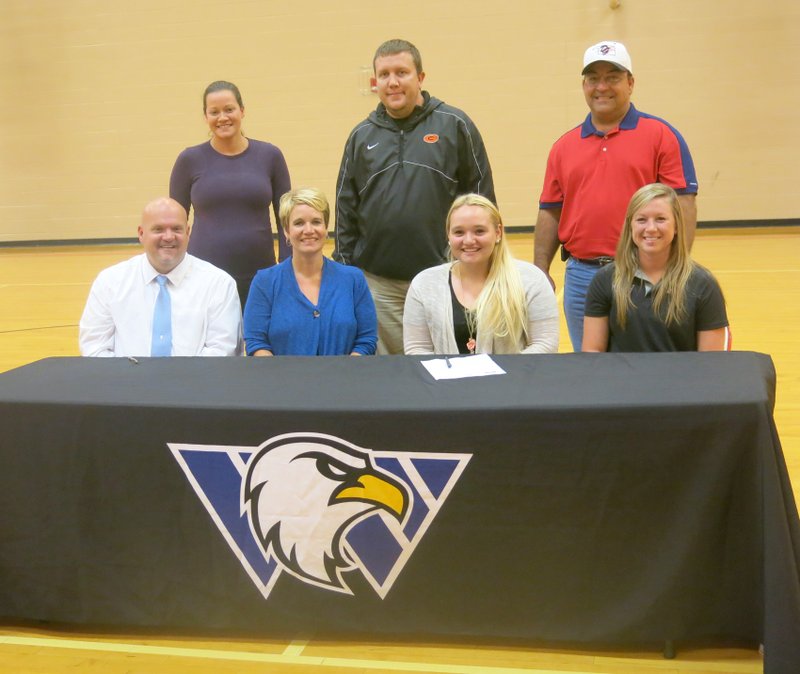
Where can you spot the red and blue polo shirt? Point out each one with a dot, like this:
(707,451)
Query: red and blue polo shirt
(592,175)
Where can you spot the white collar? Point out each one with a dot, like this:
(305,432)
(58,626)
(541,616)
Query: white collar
(149,273)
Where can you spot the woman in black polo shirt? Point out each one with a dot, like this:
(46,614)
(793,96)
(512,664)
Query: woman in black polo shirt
(654,297)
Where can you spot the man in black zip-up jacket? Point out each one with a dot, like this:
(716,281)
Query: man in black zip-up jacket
(402,168)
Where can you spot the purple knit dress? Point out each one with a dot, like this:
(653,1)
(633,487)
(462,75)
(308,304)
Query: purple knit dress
(231,198)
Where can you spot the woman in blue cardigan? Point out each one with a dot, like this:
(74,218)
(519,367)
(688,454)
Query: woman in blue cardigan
(309,305)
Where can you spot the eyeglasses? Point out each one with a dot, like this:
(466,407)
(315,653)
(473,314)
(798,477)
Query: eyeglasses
(612,79)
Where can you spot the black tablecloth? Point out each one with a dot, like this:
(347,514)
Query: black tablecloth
(604,499)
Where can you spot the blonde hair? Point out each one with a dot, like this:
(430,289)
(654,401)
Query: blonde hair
(501,309)
(306,196)
(671,289)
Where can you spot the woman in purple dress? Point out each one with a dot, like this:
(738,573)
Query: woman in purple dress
(230,182)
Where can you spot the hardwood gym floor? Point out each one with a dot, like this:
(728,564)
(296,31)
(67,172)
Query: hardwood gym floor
(42,292)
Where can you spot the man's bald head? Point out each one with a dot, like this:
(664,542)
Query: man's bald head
(161,204)
(164,233)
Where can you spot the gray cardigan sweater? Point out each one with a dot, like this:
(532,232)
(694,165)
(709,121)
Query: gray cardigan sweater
(428,315)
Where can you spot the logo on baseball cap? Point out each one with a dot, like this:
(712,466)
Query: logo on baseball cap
(611,52)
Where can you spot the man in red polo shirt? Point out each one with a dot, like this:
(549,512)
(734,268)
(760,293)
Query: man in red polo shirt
(594,169)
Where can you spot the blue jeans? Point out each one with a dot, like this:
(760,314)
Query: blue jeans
(577,277)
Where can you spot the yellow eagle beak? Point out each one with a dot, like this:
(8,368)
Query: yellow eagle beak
(375,489)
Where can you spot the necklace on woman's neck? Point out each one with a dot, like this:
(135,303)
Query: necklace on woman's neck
(471,317)
(468,295)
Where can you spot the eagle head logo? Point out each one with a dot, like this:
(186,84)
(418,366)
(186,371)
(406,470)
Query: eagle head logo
(303,492)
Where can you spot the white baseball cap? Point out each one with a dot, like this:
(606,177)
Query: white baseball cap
(611,52)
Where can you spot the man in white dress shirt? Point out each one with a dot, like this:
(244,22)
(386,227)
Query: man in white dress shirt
(203,318)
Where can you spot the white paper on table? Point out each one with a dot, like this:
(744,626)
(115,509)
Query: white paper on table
(461,367)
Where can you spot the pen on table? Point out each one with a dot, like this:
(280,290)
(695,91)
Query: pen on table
(447,360)
(133,360)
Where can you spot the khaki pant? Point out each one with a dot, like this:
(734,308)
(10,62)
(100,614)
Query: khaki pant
(389,296)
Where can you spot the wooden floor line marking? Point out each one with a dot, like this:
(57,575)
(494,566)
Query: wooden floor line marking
(296,647)
(284,659)
(40,327)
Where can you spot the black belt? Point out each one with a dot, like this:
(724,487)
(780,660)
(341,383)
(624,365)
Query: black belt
(601,261)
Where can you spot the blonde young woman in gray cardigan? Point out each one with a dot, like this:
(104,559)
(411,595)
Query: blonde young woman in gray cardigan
(483,300)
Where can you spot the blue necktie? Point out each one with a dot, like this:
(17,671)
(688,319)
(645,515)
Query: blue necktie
(161,344)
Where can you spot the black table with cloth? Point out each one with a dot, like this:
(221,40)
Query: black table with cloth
(610,498)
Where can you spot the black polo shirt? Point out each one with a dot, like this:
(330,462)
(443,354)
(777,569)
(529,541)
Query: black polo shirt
(644,331)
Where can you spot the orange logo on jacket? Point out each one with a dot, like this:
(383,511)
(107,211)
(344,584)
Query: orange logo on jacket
(431,138)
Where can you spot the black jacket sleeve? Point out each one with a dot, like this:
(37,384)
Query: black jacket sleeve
(347,203)
(474,170)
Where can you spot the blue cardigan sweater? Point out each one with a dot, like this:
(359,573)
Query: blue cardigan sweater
(278,317)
